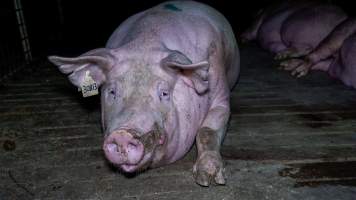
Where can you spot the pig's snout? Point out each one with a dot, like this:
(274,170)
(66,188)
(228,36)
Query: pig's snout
(121,148)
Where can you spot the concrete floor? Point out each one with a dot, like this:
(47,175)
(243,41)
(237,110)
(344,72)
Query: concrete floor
(287,139)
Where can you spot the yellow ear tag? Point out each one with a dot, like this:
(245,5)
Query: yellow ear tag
(89,87)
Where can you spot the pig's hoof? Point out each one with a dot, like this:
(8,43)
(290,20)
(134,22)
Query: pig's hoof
(282,55)
(291,64)
(209,169)
(301,71)
(289,53)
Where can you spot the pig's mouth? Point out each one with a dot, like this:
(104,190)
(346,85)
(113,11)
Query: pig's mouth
(129,151)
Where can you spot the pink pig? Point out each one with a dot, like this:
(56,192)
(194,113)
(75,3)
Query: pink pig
(165,77)
(335,55)
(294,28)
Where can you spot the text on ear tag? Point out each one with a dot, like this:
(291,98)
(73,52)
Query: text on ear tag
(89,87)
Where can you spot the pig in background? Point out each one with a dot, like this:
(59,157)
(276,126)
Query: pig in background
(294,28)
(335,55)
(307,36)
(165,77)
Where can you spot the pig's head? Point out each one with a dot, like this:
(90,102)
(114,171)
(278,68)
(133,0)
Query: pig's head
(139,112)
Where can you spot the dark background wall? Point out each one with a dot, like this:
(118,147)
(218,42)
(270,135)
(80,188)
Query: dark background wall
(69,27)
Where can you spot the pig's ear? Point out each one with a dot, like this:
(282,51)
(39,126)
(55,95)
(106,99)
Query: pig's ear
(97,62)
(196,74)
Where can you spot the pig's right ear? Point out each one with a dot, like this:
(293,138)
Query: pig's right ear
(97,62)
(196,74)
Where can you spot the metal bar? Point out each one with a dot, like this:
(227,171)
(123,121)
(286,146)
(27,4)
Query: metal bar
(15,49)
(23,31)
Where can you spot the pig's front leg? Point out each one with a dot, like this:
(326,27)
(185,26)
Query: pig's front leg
(326,49)
(301,67)
(209,167)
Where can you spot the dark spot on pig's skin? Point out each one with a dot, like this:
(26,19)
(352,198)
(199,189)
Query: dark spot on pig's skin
(212,49)
(171,7)
(188,116)
(9,145)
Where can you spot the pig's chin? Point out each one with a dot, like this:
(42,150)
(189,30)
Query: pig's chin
(147,160)
(141,166)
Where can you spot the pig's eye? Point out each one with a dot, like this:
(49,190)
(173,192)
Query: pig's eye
(163,91)
(164,96)
(111,93)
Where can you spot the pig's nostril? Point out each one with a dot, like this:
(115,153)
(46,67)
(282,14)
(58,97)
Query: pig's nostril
(132,146)
(112,148)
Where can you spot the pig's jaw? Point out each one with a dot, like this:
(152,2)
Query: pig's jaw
(142,165)
(148,160)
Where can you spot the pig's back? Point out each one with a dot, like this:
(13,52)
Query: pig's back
(177,16)
(311,25)
(275,17)
(186,26)
(220,23)
(201,12)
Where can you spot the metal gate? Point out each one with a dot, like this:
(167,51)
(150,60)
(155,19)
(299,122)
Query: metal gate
(15,51)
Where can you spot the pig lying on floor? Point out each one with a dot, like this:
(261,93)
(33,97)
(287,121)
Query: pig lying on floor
(294,28)
(309,35)
(335,55)
(165,77)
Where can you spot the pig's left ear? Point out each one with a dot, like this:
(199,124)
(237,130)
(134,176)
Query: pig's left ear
(97,63)
(196,74)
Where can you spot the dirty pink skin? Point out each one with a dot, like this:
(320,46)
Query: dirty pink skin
(293,29)
(165,77)
(335,55)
